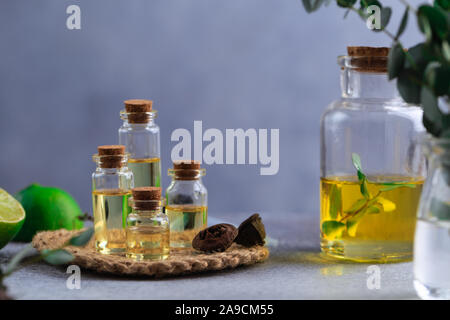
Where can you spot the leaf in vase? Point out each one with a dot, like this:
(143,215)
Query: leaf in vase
(333,229)
(352,223)
(393,186)
(386,204)
(373,209)
(356,206)
(335,201)
(440,209)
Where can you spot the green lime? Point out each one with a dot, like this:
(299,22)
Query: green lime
(47,208)
(12,217)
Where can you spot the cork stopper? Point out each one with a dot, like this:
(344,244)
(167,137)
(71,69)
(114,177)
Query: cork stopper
(138,109)
(146,198)
(186,169)
(111,156)
(369,59)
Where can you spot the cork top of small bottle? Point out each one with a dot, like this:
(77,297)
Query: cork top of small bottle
(111,156)
(146,198)
(368,59)
(138,110)
(186,170)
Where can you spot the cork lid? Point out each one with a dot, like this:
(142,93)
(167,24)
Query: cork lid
(146,198)
(186,170)
(368,59)
(138,110)
(111,156)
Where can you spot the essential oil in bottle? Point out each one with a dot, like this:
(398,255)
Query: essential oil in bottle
(140,136)
(186,203)
(111,184)
(383,222)
(148,231)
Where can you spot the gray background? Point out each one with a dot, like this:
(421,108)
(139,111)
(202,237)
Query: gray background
(230,63)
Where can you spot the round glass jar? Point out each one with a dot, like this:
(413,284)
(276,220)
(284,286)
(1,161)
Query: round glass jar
(372,167)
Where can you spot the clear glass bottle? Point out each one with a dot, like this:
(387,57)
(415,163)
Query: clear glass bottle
(111,186)
(432,240)
(186,203)
(140,136)
(148,230)
(369,214)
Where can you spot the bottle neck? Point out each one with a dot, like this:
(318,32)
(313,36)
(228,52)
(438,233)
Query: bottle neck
(367,85)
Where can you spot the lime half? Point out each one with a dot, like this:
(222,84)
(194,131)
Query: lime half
(12,216)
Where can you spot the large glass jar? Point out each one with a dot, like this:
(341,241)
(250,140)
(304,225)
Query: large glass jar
(432,241)
(372,168)
(186,203)
(140,136)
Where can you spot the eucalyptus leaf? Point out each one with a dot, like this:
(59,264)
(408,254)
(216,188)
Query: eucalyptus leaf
(440,209)
(430,106)
(403,24)
(390,187)
(57,256)
(373,210)
(395,61)
(356,206)
(335,201)
(346,3)
(435,18)
(82,238)
(352,223)
(386,204)
(333,229)
(18,257)
(408,88)
(437,77)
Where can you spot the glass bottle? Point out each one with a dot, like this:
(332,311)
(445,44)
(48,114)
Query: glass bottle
(186,203)
(372,167)
(111,186)
(140,135)
(148,231)
(432,240)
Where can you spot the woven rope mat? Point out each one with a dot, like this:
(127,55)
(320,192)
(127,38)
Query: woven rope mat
(178,263)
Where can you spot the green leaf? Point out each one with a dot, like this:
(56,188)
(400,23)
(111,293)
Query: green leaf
(403,24)
(386,14)
(335,201)
(393,186)
(430,106)
(82,238)
(57,257)
(346,3)
(446,50)
(365,189)
(395,61)
(352,223)
(436,20)
(312,5)
(15,261)
(407,87)
(373,210)
(356,206)
(333,229)
(440,209)
(356,162)
(438,77)
(444,4)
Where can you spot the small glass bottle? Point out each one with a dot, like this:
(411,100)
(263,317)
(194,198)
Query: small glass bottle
(140,136)
(186,203)
(111,186)
(372,167)
(148,231)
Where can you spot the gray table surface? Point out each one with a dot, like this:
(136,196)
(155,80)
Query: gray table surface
(294,270)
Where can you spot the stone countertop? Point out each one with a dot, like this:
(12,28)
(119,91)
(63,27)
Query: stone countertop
(294,270)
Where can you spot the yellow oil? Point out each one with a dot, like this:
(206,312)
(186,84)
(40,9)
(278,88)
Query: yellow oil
(148,242)
(383,236)
(110,212)
(185,222)
(146,172)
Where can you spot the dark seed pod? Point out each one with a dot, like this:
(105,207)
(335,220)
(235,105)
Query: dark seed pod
(251,232)
(216,238)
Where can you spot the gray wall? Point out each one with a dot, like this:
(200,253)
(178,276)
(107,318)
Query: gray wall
(230,63)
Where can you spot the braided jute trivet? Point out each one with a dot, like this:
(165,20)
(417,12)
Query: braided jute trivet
(179,262)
